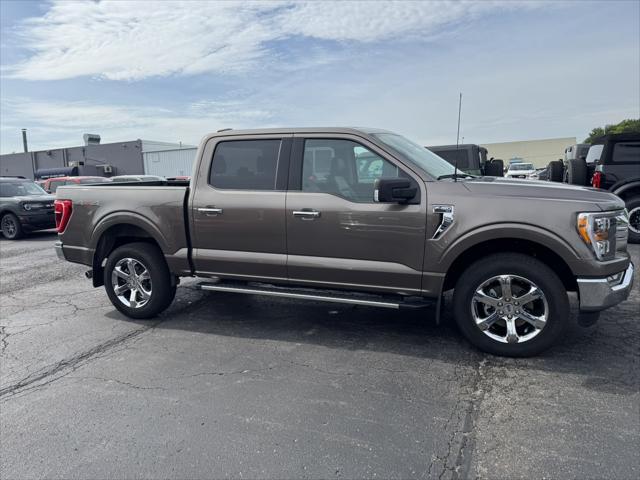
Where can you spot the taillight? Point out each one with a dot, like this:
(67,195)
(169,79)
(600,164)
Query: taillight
(596,180)
(63,210)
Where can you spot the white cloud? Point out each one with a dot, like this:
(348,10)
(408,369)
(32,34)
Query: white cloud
(128,40)
(61,124)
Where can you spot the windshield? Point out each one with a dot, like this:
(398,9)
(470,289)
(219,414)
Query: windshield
(419,155)
(20,189)
(521,166)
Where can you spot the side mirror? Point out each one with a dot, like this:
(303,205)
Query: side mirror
(393,190)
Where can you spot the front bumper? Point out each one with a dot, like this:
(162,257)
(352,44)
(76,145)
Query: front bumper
(599,293)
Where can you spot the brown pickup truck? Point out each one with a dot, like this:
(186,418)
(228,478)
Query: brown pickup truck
(357,216)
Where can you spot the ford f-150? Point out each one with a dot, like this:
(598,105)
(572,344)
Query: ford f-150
(357,216)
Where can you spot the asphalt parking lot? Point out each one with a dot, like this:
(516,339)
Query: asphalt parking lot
(223,385)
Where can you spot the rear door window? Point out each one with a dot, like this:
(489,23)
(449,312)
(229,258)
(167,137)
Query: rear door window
(245,164)
(626,152)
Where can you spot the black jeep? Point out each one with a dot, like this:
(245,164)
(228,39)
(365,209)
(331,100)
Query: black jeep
(470,159)
(613,163)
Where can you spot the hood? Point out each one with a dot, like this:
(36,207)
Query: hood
(36,198)
(543,190)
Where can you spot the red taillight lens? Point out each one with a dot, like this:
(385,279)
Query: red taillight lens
(63,210)
(596,180)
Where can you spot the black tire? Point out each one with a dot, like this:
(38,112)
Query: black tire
(521,267)
(159,283)
(577,172)
(11,227)
(633,206)
(556,170)
(494,168)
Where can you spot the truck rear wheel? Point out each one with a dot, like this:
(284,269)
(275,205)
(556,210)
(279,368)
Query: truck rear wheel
(510,304)
(138,281)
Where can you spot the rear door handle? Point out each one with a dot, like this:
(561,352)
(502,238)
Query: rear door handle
(210,211)
(306,214)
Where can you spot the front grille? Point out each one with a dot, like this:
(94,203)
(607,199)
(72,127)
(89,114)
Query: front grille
(622,230)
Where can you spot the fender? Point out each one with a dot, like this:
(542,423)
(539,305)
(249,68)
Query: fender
(520,231)
(625,185)
(129,218)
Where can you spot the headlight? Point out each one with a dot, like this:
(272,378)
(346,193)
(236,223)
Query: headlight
(604,232)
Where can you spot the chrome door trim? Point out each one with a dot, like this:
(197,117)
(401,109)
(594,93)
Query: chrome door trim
(210,211)
(306,214)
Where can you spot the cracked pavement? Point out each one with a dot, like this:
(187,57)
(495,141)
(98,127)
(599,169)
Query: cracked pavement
(223,385)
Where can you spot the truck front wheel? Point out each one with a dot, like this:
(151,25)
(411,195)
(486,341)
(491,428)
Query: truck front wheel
(510,304)
(138,281)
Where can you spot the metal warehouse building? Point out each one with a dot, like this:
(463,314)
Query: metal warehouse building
(538,152)
(107,159)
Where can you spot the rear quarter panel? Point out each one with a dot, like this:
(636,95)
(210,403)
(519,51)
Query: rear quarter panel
(159,211)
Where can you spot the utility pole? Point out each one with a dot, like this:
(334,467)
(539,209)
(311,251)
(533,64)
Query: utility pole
(24,140)
(455,171)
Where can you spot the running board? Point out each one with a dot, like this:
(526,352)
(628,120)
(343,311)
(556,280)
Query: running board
(370,300)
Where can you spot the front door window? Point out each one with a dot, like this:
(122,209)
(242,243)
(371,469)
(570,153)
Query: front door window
(344,168)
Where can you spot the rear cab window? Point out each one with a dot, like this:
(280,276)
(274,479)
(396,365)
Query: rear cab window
(245,164)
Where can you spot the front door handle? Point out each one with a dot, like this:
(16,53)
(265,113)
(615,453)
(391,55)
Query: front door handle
(306,214)
(210,211)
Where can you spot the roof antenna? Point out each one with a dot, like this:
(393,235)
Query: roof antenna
(455,172)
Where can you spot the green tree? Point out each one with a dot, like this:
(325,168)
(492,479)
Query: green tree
(625,126)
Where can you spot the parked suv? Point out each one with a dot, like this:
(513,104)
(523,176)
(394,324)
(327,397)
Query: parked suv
(520,170)
(24,206)
(355,216)
(616,168)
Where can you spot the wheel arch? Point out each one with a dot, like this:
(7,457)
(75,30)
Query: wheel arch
(552,252)
(111,235)
(626,188)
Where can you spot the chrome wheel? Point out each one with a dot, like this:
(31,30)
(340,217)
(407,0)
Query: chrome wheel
(9,227)
(131,283)
(634,220)
(509,309)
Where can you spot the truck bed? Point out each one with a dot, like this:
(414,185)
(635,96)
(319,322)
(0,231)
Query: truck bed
(158,208)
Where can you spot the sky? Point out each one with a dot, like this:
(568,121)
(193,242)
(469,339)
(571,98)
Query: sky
(174,71)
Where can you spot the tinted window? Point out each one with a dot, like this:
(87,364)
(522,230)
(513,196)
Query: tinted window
(521,166)
(344,168)
(626,152)
(19,189)
(245,165)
